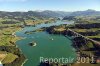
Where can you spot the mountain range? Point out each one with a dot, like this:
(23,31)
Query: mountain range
(88,12)
(48,13)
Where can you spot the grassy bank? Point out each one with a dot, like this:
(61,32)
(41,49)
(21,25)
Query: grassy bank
(8,49)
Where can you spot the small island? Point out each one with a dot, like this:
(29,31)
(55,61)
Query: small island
(32,43)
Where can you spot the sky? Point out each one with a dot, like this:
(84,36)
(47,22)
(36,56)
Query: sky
(54,5)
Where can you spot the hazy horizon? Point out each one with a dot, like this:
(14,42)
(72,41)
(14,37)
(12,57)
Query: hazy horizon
(45,10)
(53,5)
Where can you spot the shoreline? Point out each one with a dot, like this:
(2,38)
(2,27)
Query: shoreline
(24,62)
(17,45)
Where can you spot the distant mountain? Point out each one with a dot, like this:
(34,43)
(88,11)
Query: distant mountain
(88,12)
(46,13)
(63,13)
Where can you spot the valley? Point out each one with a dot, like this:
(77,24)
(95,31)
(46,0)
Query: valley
(62,35)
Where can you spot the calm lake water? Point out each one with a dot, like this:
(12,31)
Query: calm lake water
(59,47)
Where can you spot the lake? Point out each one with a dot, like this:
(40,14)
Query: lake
(59,47)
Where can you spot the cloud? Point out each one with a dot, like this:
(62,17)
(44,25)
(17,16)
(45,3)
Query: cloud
(13,0)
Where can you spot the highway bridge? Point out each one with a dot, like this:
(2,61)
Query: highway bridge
(75,34)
